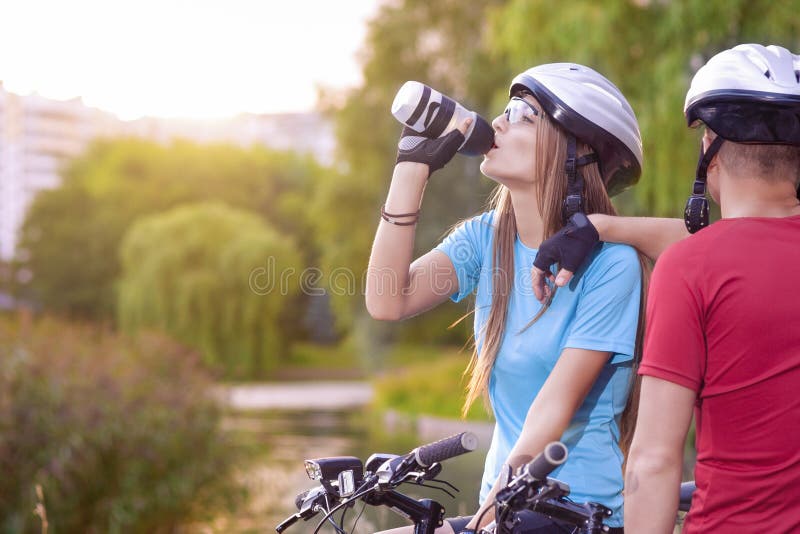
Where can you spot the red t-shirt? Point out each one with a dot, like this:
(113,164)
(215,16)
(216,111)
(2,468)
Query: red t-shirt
(723,319)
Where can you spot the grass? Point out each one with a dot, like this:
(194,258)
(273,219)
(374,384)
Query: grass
(417,379)
(322,356)
(310,361)
(429,382)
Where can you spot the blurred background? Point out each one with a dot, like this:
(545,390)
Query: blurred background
(188,195)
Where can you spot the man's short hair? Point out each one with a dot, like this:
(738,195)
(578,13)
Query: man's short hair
(772,163)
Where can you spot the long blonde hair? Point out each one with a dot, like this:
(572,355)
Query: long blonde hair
(551,184)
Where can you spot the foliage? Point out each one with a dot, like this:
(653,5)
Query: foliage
(120,433)
(470,51)
(320,356)
(431,386)
(70,238)
(650,49)
(441,44)
(213,278)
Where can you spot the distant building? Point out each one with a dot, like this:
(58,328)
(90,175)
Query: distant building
(38,135)
(301,132)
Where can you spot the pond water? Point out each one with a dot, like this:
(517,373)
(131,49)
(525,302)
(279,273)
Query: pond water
(275,425)
(282,439)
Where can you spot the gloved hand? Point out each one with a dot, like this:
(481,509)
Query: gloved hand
(435,153)
(569,247)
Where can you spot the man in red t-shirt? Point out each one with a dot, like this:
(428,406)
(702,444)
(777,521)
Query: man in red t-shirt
(723,312)
(723,316)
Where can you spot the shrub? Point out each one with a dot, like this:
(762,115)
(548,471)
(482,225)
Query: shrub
(120,433)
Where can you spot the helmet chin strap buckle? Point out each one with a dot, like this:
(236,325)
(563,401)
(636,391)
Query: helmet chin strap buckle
(572,204)
(695,214)
(571,165)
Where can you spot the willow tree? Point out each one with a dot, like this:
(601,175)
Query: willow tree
(214,278)
(69,241)
(650,49)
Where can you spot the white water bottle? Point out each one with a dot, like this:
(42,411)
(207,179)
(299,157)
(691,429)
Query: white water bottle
(433,115)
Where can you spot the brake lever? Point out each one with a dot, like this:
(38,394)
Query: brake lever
(433,471)
(418,477)
(440,488)
(452,487)
(288,522)
(512,496)
(550,490)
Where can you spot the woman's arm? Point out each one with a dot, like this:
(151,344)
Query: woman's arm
(561,395)
(650,235)
(395,288)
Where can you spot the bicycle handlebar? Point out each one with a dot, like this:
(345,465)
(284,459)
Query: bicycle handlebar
(444,449)
(384,473)
(531,489)
(553,455)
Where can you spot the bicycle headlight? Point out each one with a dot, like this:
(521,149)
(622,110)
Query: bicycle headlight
(313,470)
(328,469)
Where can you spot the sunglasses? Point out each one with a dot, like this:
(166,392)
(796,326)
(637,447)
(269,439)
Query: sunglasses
(519,109)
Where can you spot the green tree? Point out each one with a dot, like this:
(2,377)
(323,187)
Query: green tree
(442,44)
(211,277)
(71,235)
(650,49)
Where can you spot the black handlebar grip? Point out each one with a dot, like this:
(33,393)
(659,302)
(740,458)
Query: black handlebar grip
(553,455)
(427,455)
(288,522)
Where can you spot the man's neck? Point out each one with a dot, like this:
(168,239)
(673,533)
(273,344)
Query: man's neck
(755,197)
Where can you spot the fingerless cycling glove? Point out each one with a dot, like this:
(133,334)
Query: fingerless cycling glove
(433,152)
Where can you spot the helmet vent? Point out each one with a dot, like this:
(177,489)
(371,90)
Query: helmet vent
(768,74)
(797,75)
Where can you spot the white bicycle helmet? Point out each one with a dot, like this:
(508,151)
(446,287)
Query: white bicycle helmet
(747,94)
(592,109)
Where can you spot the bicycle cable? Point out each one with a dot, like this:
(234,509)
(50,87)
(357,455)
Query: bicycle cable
(480,518)
(355,523)
(340,505)
(331,520)
(341,518)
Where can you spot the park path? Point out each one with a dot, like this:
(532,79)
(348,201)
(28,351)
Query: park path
(338,396)
(316,395)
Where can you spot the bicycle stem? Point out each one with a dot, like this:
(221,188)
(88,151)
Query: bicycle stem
(427,514)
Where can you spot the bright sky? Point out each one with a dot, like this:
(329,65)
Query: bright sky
(189,58)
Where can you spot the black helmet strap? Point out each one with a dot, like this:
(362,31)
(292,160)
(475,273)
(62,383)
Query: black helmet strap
(574,202)
(695,214)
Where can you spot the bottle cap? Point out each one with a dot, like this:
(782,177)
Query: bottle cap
(406,101)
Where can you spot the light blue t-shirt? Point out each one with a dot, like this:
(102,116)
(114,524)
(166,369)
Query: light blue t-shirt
(598,310)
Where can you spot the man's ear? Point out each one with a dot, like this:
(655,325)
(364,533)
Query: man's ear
(706,139)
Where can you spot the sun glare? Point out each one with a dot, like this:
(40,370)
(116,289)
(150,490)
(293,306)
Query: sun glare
(191,58)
